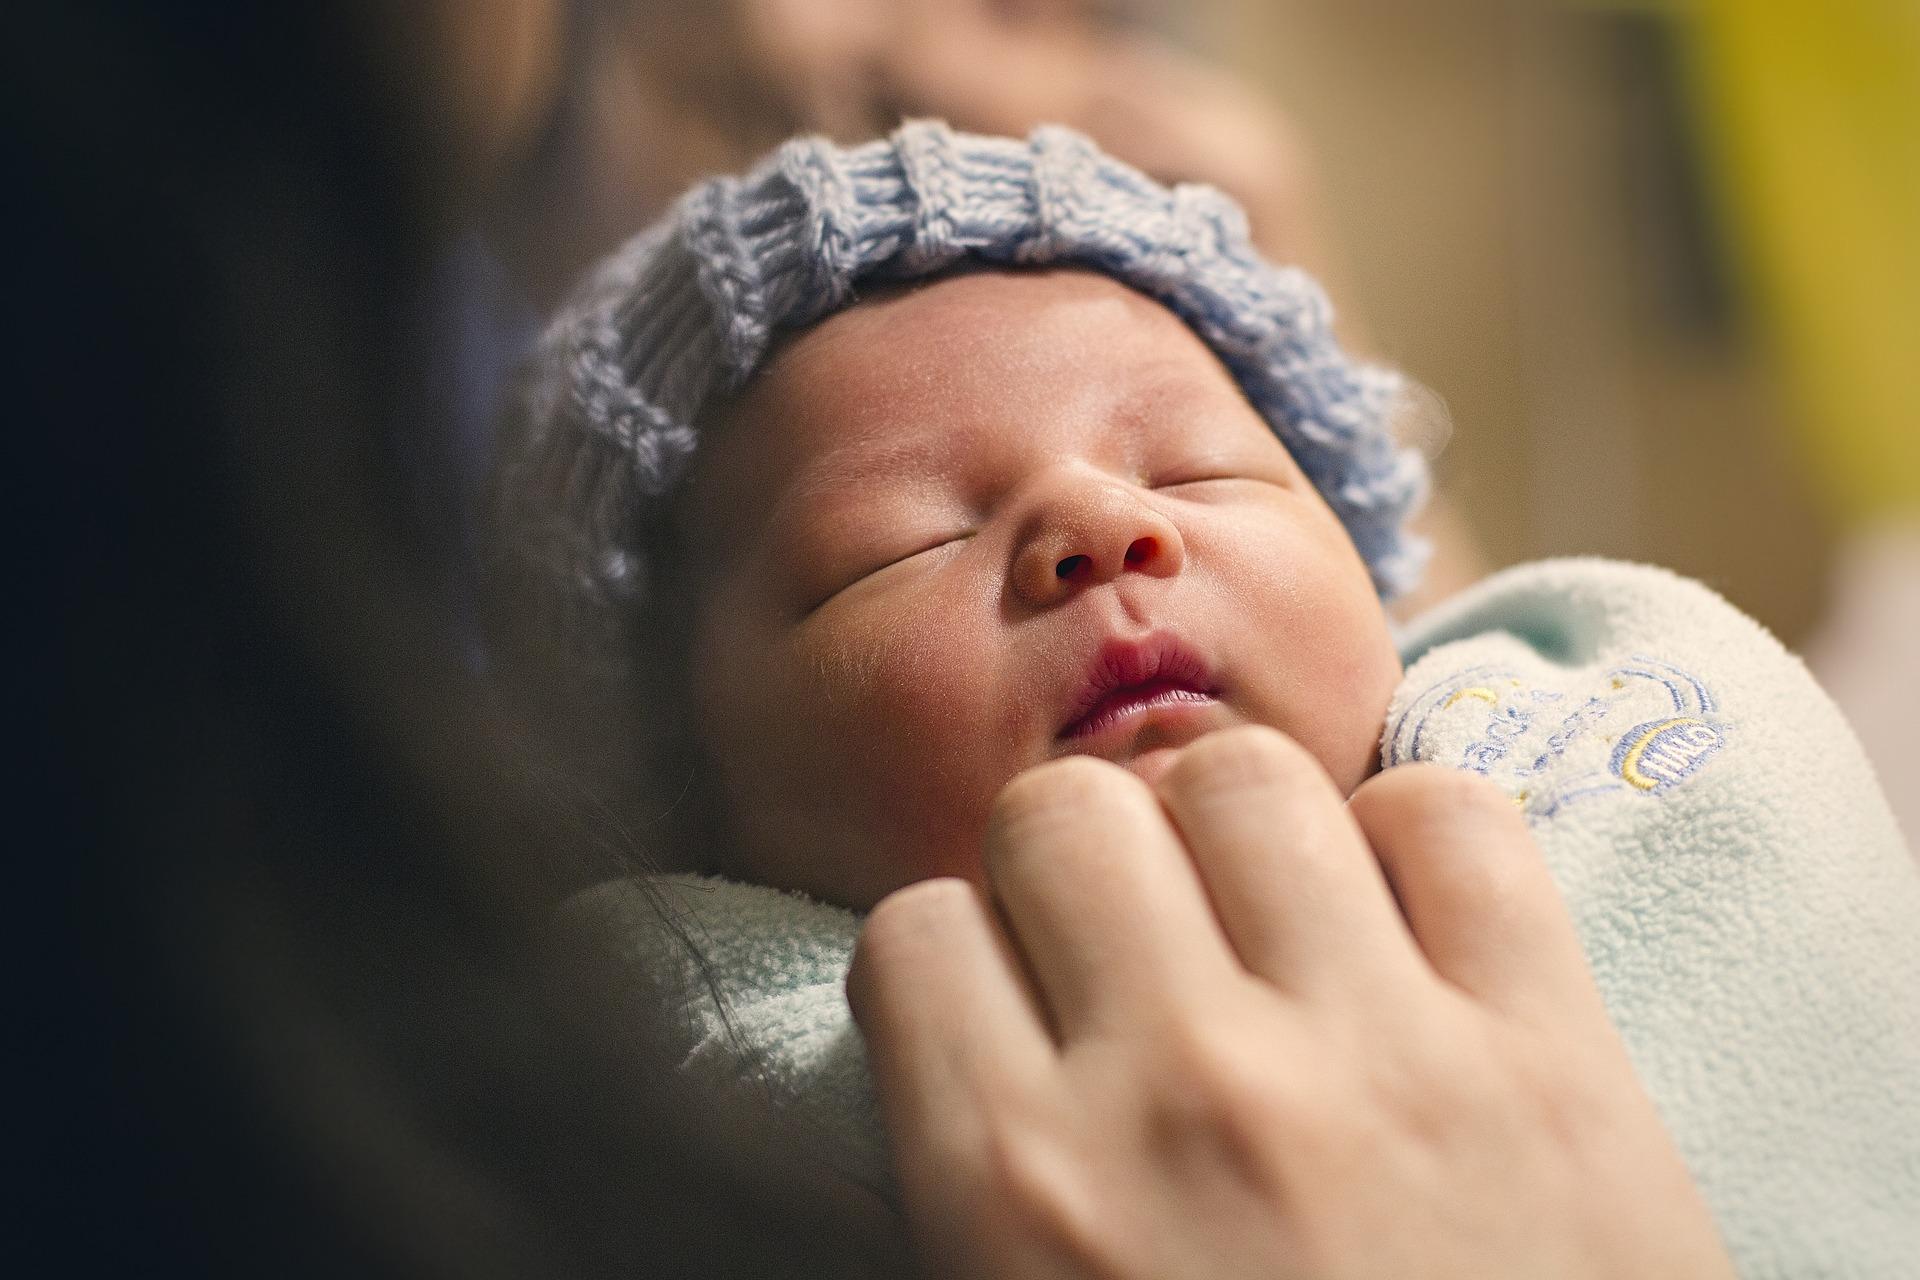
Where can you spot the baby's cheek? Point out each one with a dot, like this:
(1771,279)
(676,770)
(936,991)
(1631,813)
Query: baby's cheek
(926,720)
(1329,666)
(1347,677)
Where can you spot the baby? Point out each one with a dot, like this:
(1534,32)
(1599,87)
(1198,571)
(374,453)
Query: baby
(1005,453)
(1016,508)
(967,527)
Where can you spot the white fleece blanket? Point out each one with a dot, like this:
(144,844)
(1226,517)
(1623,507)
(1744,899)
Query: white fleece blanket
(1749,909)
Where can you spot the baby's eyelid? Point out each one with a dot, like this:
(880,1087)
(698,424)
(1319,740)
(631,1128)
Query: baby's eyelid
(1182,479)
(933,545)
(1184,465)
(862,575)
(1174,479)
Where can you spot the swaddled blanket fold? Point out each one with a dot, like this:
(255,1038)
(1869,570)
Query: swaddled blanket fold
(1750,912)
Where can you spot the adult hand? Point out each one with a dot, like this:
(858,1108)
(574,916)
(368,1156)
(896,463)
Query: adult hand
(1232,1026)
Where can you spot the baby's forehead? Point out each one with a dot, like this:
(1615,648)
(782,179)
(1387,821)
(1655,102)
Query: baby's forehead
(963,316)
(1002,350)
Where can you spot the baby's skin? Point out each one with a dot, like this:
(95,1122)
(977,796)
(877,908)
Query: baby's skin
(961,529)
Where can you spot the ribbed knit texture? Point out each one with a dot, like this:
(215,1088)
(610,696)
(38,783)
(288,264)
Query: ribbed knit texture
(688,308)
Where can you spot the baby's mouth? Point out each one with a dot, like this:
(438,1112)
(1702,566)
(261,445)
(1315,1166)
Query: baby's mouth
(1132,679)
(1136,700)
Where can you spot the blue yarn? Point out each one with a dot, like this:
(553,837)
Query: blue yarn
(687,309)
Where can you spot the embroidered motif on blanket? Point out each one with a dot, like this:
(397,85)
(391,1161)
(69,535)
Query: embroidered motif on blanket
(1519,732)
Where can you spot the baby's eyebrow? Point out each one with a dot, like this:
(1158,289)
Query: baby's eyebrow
(872,459)
(866,462)
(1170,390)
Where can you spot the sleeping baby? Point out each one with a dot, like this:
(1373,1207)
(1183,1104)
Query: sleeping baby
(879,475)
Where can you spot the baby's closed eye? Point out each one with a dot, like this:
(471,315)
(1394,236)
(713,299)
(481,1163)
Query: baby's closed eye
(1199,482)
(848,566)
(1222,474)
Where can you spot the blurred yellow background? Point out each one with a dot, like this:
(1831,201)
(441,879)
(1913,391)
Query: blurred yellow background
(1660,258)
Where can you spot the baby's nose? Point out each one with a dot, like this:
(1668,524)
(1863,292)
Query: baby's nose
(1089,533)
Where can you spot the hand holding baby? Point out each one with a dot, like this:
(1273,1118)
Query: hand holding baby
(1231,1025)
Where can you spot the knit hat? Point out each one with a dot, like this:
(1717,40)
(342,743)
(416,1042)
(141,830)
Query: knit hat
(687,310)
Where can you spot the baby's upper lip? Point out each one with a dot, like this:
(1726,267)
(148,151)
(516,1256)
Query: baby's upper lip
(1123,663)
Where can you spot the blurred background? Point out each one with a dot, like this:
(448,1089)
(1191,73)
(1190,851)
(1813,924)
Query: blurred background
(1658,259)
(1657,256)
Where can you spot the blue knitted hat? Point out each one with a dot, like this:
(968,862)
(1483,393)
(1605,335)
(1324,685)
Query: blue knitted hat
(687,310)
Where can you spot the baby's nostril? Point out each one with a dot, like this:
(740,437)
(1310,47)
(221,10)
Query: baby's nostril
(1070,566)
(1141,550)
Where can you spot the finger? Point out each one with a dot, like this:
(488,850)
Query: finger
(946,1013)
(1473,887)
(1100,897)
(1298,893)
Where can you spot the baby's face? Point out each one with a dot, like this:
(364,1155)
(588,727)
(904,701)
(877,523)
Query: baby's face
(951,533)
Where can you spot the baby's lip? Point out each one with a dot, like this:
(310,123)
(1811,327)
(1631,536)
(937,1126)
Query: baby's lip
(1126,673)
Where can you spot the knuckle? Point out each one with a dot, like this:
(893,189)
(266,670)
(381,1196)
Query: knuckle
(1069,782)
(902,921)
(1055,792)
(1440,1079)
(1571,1117)
(1042,1194)
(899,937)
(1425,794)
(1244,756)
(1223,1089)
(1561,1101)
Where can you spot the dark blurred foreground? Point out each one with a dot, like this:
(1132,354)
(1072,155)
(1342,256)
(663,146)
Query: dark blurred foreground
(275,918)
